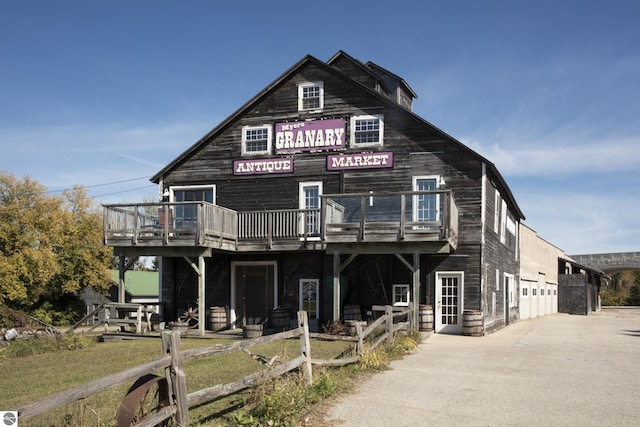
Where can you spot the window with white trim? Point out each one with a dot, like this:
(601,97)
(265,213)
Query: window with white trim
(426,206)
(533,291)
(503,222)
(496,213)
(256,140)
(310,96)
(401,295)
(367,130)
(525,291)
(309,301)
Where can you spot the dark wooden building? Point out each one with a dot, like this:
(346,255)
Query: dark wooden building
(326,192)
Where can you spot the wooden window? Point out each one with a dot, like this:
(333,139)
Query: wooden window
(401,295)
(367,130)
(256,140)
(311,96)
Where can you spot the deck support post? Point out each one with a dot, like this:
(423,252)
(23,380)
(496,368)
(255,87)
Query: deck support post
(337,269)
(336,286)
(415,286)
(123,266)
(200,271)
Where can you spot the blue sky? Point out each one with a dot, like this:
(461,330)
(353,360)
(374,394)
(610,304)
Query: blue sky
(104,94)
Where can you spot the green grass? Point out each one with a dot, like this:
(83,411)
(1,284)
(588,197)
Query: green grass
(31,377)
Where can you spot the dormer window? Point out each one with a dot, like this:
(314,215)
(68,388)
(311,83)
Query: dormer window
(256,140)
(311,96)
(367,130)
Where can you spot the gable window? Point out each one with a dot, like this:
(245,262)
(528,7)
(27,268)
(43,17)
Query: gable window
(401,295)
(256,140)
(311,96)
(367,130)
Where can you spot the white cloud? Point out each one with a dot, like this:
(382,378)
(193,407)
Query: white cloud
(561,158)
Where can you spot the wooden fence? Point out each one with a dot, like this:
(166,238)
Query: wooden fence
(174,401)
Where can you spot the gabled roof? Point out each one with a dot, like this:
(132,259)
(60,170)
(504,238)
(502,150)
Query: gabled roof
(395,76)
(308,59)
(360,65)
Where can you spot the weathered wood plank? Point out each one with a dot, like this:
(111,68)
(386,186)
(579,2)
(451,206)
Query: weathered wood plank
(85,390)
(220,390)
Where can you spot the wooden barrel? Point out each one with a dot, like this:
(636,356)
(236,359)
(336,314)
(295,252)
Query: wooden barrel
(472,324)
(217,318)
(252,331)
(426,318)
(352,312)
(280,318)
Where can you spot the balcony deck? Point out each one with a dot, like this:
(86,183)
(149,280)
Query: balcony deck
(427,218)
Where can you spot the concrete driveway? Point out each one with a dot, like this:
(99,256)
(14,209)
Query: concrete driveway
(559,370)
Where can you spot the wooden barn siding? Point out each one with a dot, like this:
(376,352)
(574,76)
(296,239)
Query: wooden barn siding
(500,256)
(180,284)
(355,72)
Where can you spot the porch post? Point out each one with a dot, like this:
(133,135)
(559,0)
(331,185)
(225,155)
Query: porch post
(121,271)
(122,268)
(201,296)
(416,290)
(200,271)
(336,285)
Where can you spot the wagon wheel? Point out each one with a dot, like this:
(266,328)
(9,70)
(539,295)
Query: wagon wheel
(189,316)
(147,395)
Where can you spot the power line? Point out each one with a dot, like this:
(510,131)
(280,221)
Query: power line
(120,192)
(101,185)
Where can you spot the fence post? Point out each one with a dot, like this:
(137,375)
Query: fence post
(359,345)
(176,377)
(388,312)
(305,345)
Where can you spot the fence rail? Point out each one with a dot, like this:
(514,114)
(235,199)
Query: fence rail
(383,329)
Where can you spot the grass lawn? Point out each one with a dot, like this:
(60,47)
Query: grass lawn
(30,378)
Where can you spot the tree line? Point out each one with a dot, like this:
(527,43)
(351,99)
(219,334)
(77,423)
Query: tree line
(50,248)
(623,290)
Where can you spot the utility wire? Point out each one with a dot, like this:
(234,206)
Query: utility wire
(101,185)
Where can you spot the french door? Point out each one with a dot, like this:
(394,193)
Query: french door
(449,302)
(309,201)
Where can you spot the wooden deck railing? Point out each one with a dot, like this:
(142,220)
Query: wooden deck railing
(179,224)
(342,218)
(410,216)
(383,329)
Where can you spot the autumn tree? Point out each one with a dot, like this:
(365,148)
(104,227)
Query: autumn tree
(50,245)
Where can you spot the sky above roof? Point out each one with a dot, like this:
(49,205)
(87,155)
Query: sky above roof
(105,94)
